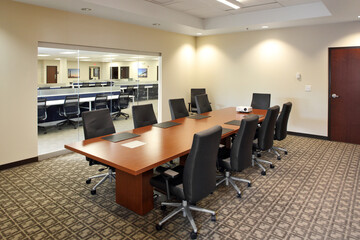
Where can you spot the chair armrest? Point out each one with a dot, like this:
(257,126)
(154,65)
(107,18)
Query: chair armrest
(171,173)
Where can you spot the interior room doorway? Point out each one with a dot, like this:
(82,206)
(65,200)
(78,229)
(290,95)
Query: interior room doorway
(51,74)
(344,92)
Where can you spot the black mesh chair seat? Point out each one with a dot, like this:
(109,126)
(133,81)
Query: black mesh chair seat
(100,101)
(71,110)
(121,104)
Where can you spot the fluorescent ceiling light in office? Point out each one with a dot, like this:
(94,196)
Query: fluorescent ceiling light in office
(43,55)
(68,52)
(229,4)
(82,57)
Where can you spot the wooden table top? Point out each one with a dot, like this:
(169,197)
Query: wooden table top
(162,144)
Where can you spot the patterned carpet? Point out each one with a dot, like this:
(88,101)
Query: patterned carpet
(312,193)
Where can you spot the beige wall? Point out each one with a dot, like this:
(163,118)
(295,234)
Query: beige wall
(23,26)
(233,66)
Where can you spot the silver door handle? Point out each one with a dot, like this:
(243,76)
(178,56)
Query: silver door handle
(334,95)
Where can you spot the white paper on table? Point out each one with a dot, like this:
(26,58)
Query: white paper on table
(133,144)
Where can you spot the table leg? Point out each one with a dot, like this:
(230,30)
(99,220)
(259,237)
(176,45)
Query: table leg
(135,192)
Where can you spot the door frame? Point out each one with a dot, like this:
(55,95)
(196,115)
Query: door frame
(329,85)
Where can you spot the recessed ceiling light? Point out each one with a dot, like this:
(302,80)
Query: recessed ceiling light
(198,34)
(111,55)
(57,59)
(86,9)
(82,57)
(43,55)
(68,52)
(359,17)
(265,27)
(229,4)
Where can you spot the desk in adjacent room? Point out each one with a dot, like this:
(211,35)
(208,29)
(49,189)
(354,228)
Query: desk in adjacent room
(134,166)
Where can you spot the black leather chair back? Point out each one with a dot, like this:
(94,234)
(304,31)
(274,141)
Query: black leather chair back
(202,103)
(71,106)
(143,115)
(241,149)
(266,131)
(41,106)
(282,122)
(97,123)
(199,178)
(100,101)
(260,100)
(178,108)
(195,92)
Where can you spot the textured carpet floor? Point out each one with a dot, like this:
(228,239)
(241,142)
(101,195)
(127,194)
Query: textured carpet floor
(312,193)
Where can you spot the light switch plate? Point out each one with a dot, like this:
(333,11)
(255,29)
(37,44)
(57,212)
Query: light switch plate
(307,88)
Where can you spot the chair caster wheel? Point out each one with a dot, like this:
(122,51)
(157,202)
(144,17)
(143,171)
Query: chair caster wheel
(278,158)
(163,207)
(88,181)
(272,166)
(213,218)
(93,192)
(193,235)
(286,152)
(239,195)
(263,173)
(249,184)
(158,227)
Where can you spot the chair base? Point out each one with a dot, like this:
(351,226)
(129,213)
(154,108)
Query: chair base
(276,149)
(185,209)
(109,175)
(118,114)
(227,178)
(258,162)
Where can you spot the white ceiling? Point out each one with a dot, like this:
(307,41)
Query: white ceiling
(209,17)
(50,53)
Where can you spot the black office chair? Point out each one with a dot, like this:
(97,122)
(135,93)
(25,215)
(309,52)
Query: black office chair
(260,100)
(198,179)
(121,104)
(240,156)
(202,103)
(194,92)
(178,108)
(281,128)
(143,115)
(100,101)
(85,84)
(265,137)
(71,110)
(42,113)
(98,84)
(95,124)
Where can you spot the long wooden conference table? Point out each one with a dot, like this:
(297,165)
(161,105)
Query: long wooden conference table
(134,166)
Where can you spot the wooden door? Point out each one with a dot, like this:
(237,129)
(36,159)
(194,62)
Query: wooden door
(51,74)
(344,94)
(124,72)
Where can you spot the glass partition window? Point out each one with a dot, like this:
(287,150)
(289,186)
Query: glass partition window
(78,79)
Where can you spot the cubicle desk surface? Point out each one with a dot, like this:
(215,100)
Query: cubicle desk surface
(134,165)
